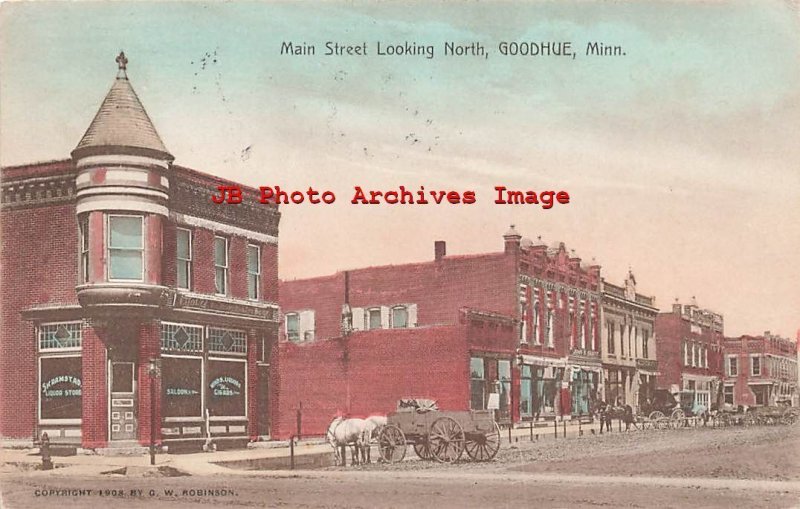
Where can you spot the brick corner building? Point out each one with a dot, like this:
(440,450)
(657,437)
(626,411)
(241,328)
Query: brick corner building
(122,279)
(690,349)
(761,371)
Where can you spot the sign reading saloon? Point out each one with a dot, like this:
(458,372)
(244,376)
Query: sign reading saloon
(226,388)
(60,388)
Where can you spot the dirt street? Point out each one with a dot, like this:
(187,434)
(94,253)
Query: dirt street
(744,467)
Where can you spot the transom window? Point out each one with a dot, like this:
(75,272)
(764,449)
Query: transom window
(221,265)
(399,317)
(125,248)
(253,271)
(184,253)
(57,336)
(182,338)
(227,341)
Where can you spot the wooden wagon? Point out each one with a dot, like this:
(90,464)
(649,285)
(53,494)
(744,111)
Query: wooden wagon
(440,435)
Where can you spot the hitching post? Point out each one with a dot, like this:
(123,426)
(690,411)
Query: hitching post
(509,432)
(291,453)
(555,428)
(531,431)
(154,372)
(565,428)
(299,420)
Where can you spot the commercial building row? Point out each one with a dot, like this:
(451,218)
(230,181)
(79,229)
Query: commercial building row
(131,302)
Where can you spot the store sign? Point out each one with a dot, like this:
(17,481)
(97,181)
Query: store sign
(226,386)
(235,308)
(62,386)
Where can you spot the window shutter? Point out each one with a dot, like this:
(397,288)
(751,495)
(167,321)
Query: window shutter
(358,318)
(384,317)
(307,324)
(412,315)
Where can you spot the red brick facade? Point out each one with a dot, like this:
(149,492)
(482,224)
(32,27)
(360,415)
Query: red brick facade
(761,370)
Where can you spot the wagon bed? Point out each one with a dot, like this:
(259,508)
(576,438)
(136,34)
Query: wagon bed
(440,435)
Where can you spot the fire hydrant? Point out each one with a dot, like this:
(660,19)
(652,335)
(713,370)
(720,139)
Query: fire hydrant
(44,448)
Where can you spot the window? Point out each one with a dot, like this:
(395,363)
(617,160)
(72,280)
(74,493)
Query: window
(373,318)
(729,394)
(549,332)
(221,265)
(645,339)
(694,355)
(60,387)
(583,331)
(181,338)
(685,353)
(399,317)
(610,329)
(60,336)
(83,231)
(293,327)
(504,381)
(253,272)
(477,383)
(184,255)
(755,366)
(227,341)
(536,316)
(733,366)
(125,248)
(705,357)
(622,339)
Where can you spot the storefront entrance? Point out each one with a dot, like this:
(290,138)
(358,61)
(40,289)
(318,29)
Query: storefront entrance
(123,401)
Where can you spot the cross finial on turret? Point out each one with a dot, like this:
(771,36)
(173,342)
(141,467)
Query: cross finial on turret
(122,62)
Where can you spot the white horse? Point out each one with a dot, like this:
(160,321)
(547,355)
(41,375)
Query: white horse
(374,424)
(343,432)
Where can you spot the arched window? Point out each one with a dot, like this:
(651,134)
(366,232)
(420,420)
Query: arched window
(536,316)
(549,331)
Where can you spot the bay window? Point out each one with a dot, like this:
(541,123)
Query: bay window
(125,248)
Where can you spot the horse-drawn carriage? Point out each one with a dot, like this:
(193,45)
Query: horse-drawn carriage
(667,411)
(439,435)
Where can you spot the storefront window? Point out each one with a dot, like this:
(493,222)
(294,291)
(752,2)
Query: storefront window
(525,403)
(60,389)
(226,388)
(504,381)
(477,383)
(182,386)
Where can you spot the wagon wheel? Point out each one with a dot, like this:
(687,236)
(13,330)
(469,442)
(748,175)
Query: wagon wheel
(446,439)
(663,423)
(677,417)
(749,419)
(484,446)
(725,419)
(423,450)
(392,444)
(655,416)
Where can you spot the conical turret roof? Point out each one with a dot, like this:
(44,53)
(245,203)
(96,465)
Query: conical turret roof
(122,125)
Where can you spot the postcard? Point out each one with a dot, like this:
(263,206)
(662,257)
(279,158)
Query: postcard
(384,254)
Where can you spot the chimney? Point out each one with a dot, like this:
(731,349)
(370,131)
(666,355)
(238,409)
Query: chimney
(512,239)
(676,307)
(439,249)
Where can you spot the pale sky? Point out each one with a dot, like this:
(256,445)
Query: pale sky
(681,157)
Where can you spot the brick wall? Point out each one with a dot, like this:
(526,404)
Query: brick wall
(149,348)
(39,261)
(439,288)
(94,426)
(381,366)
